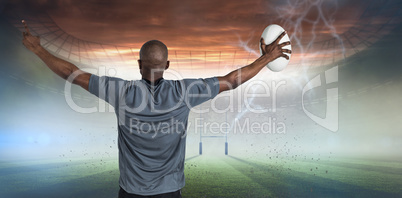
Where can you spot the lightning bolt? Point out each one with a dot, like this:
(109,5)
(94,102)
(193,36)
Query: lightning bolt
(293,14)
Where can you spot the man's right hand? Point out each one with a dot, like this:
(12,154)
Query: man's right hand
(31,42)
(275,50)
(269,53)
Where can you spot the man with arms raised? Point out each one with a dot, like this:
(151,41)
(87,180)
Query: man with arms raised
(152,113)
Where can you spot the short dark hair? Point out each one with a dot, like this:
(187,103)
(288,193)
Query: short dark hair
(154,53)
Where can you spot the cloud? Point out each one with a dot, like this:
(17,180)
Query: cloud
(174,21)
(188,25)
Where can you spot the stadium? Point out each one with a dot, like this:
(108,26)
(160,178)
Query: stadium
(326,126)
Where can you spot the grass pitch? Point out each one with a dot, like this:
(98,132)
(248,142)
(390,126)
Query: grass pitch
(212,176)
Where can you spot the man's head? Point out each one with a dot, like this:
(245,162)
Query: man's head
(153,59)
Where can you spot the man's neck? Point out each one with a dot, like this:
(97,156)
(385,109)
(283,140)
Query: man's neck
(154,81)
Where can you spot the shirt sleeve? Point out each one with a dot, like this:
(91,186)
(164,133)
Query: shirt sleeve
(200,90)
(106,88)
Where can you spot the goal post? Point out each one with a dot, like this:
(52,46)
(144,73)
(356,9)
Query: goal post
(213,136)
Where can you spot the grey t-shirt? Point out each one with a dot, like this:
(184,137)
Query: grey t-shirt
(152,124)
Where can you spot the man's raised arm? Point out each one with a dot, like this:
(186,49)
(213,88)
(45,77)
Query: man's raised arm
(269,53)
(64,69)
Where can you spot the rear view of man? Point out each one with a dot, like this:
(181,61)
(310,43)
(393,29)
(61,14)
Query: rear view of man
(152,113)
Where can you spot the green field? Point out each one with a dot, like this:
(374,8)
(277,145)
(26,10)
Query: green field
(212,176)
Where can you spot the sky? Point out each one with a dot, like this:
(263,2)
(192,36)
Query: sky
(194,25)
(219,34)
